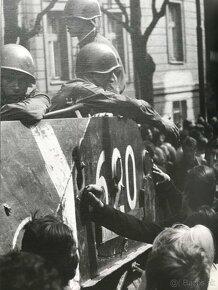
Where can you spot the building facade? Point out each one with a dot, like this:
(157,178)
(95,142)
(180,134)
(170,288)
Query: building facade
(172,45)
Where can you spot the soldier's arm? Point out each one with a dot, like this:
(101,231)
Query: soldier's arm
(138,110)
(96,99)
(31,109)
(62,97)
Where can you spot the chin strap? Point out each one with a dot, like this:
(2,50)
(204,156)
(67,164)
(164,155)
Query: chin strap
(91,31)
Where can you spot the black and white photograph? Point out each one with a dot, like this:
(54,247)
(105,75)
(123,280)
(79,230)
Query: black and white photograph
(109,145)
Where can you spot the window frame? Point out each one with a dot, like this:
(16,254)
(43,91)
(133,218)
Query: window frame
(183,114)
(170,45)
(51,80)
(112,8)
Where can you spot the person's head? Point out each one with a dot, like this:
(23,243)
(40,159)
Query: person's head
(189,147)
(200,187)
(209,131)
(181,257)
(201,120)
(81,17)
(146,133)
(26,271)
(50,238)
(172,151)
(213,152)
(195,133)
(206,216)
(17,73)
(200,128)
(156,136)
(201,145)
(179,235)
(160,157)
(98,63)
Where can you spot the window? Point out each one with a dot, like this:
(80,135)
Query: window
(179,112)
(115,35)
(57,47)
(175,32)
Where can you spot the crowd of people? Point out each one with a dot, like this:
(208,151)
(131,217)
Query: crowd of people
(185,172)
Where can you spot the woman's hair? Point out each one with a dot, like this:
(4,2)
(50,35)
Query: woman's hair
(50,238)
(181,255)
(172,269)
(180,234)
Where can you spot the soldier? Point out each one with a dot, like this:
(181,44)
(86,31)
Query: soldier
(96,70)
(17,71)
(82,20)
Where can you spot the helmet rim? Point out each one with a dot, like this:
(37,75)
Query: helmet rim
(81,17)
(100,72)
(86,10)
(96,58)
(33,80)
(16,57)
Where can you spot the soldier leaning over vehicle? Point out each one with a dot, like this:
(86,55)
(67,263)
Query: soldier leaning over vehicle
(17,76)
(82,19)
(96,70)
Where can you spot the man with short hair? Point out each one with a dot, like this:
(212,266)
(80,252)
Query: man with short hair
(96,70)
(188,160)
(19,101)
(50,238)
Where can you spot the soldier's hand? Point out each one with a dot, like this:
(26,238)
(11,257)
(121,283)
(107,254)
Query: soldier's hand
(171,130)
(103,115)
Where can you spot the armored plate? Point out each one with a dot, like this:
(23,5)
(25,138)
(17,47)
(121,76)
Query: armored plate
(45,167)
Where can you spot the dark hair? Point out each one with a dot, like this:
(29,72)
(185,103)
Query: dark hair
(206,216)
(186,124)
(25,271)
(50,238)
(202,144)
(200,186)
(213,144)
(189,142)
(186,268)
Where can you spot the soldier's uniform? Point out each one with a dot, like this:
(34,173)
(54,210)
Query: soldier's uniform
(90,10)
(31,106)
(95,60)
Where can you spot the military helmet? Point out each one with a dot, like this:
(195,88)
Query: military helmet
(84,9)
(18,58)
(96,57)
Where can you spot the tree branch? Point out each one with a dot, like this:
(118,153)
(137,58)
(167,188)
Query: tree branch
(36,29)
(153,6)
(155,19)
(114,17)
(123,9)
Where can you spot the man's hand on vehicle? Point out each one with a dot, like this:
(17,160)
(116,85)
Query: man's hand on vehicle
(91,196)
